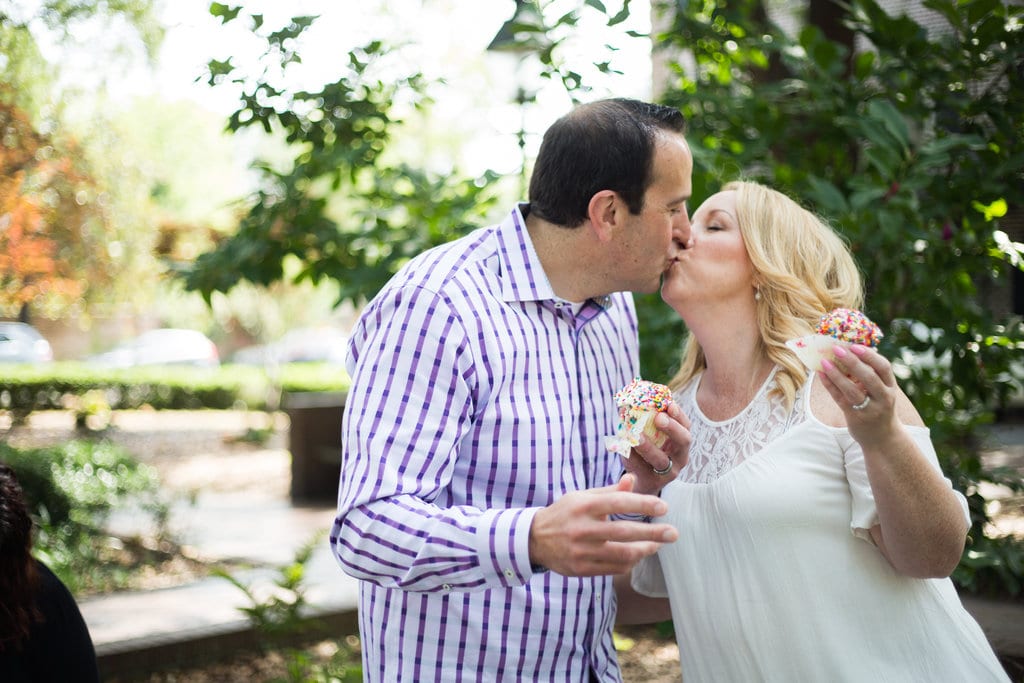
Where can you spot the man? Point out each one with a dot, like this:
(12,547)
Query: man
(478,505)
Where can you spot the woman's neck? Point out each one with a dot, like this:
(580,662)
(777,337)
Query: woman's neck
(737,368)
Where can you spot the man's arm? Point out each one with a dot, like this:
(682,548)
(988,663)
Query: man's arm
(408,409)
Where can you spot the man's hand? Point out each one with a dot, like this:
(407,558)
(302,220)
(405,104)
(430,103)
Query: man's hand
(647,460)
(575,537)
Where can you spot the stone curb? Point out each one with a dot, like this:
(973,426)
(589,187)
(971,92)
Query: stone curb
(141,656)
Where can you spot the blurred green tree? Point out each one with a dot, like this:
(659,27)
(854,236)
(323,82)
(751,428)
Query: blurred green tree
(339,206)
(55,247)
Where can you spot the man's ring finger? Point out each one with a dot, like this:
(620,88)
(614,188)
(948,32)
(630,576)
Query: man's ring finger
(863,404)
(665,471)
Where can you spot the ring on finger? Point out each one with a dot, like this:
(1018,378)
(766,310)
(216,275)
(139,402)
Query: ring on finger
(662,473)
(863,404)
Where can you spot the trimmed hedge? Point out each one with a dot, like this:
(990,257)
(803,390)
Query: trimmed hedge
(56,386)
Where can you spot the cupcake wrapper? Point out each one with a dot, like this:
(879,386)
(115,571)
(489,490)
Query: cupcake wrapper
(813,348)
(634,422)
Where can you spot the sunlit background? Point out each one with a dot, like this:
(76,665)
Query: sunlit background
(151,123)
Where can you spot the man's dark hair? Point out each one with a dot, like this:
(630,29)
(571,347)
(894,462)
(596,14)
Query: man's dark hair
(603,145)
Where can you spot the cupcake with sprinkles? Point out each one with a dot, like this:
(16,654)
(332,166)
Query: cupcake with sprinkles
(638,402)
(841,326)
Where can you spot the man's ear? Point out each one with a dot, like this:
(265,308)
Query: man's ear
(604,212)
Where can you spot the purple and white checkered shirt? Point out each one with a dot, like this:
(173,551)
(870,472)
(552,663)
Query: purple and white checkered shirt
(477,397)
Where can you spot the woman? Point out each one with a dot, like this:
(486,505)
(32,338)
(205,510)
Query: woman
(42,634)
(817,532)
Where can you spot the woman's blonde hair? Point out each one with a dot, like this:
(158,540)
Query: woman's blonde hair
(802,270)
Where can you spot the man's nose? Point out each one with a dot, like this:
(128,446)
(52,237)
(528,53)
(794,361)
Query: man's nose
(682,231)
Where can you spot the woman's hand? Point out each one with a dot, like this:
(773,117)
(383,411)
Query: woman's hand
(654,467)
(862,384)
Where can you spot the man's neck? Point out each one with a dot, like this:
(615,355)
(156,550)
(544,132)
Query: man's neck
(568,257)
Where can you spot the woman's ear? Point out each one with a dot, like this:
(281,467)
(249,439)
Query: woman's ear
(603,212)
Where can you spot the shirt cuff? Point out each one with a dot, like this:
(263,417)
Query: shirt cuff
(503,545)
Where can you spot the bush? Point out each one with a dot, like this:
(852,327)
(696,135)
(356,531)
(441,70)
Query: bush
(59,386)
(71,490)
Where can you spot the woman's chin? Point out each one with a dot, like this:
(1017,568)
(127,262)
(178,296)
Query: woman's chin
(670,285)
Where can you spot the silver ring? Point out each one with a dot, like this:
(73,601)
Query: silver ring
(662,473)
(863,404)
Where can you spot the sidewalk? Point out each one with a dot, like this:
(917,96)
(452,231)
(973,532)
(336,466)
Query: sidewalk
(147,630)
(230,504)
(134,631)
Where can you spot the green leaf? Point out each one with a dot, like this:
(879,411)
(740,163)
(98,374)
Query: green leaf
(884,111)
(861,199)
(827,196)
(996,209)
(947,9)
(621,16)
(884,160)
(863,63)
(951,142)
(225,12)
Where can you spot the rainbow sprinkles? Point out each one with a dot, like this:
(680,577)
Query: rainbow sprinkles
(638,403)
(840,326)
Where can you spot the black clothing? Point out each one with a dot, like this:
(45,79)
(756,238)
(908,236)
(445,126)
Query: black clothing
(59,648)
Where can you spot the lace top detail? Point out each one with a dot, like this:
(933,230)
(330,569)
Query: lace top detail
(718,447)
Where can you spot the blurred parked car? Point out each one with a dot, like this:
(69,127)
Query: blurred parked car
(22,343)
(166,346)
(303,345)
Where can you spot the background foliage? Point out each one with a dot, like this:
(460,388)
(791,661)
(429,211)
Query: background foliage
(340,207)
(909,140)
(71,491)
(88,390)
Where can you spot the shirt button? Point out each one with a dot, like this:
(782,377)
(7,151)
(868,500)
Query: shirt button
(446,587)
(509,573)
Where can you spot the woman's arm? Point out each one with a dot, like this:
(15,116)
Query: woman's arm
(922,527)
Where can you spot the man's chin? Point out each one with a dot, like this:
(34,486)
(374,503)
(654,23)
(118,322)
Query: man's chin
(649,288)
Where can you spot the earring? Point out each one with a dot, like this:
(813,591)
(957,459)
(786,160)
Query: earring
(757,295)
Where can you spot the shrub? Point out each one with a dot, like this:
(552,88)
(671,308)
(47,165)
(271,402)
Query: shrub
(27,388)
(71,490)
